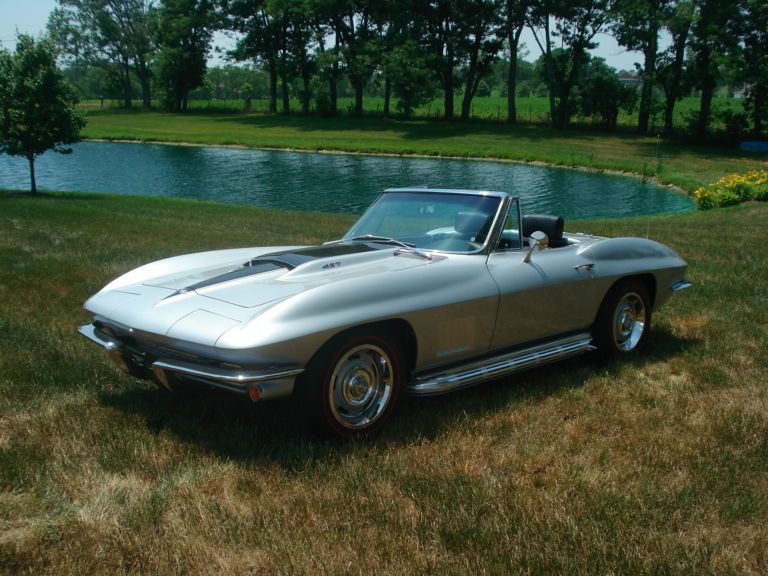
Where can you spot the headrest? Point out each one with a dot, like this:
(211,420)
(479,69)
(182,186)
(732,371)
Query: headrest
(552,226)
(469,222)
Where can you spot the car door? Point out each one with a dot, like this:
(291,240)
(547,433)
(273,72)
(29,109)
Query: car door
(552,294)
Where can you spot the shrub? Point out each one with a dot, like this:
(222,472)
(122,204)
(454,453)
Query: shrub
(733,189)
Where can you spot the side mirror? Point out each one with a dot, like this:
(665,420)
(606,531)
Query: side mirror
(537,241)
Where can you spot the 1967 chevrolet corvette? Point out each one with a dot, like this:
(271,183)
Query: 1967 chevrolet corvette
(430,291)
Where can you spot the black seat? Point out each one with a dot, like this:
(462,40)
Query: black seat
(552,226)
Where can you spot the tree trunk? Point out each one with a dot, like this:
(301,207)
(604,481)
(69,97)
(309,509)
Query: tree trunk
(448,96)
(333,90)
(146,94)
(448,85)
(514,40)
(143,73)
(646,93)
(306,95)
(359,85)
(470,84)
(705,111)
(31,159)
(672,89)
(286,96)
(125,77)
(550,74)
(707,92)
(127,96)
(387,95)
(272,87)
(758,103)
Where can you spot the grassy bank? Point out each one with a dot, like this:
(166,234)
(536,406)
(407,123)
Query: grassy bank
(656,465)
(671,163)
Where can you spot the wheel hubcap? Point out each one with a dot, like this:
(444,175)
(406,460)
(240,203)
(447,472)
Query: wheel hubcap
(361,386)
(629,322)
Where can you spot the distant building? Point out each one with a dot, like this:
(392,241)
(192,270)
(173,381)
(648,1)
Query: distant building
(630,79)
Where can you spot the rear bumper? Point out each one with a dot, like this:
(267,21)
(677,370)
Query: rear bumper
(268,384)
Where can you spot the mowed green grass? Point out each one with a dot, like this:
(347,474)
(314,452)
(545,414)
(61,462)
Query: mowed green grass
(670,163)
(533,109)
(657,464)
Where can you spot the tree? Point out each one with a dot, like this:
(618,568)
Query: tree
(260,41)
(114,35)
(516,13)
(185,29)
(355,25)
(601,94)
(411,79)
(670,67)
(37,105)
(713,37)
(481,40)
(637,27)
(576,23)
(753,61)
(440,26)
(278,35)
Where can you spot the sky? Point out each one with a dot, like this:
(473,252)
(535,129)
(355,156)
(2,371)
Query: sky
(31,16)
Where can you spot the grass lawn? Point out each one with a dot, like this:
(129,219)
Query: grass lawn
(532,109)
(653,465)
(671,163)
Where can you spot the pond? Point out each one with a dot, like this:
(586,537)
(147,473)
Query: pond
(342,183)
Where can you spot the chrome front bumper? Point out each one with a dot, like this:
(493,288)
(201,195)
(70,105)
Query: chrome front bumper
(680,285)
(258,384)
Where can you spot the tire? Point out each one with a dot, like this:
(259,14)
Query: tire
(352,385)
(624,320)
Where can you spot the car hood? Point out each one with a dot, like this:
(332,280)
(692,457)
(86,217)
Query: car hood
(200,296)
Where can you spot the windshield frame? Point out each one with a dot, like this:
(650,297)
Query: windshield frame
(490,240)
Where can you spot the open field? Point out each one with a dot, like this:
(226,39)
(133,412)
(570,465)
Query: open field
(533,109)
(671,163)
(653,465)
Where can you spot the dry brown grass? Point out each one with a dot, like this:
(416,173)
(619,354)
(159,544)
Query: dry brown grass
(654,465)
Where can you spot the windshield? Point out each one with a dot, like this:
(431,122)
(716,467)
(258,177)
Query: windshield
(431,221)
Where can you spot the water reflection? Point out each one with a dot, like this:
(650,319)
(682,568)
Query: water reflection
(326,182)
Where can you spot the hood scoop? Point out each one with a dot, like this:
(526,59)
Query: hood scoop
(250,269)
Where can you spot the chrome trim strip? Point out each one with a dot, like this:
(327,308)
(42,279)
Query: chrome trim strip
(497,366)
(680,285)
(238,378)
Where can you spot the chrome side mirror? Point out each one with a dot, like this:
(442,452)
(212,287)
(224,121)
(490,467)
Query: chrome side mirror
(537,241)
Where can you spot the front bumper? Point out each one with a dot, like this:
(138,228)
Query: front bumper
(258,384)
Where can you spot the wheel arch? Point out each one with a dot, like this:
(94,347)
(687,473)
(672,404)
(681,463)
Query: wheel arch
(647,279)
(395,327)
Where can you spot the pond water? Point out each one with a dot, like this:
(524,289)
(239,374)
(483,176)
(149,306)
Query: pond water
(341,183)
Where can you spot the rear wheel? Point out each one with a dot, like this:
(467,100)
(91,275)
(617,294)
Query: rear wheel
(352,385)
(624,319)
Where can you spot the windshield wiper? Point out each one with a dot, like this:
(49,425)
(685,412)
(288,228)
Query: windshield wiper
(404,246)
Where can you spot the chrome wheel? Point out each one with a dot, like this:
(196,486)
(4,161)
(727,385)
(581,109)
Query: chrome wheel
(629,320)
(360,386)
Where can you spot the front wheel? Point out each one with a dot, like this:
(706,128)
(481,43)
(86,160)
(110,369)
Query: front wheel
(352,385)
(624,319)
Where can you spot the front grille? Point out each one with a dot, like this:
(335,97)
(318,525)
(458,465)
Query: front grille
(143,353)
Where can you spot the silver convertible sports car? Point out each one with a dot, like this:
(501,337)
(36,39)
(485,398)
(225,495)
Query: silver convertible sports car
(430,291)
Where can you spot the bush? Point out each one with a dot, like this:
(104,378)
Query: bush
(733,189)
